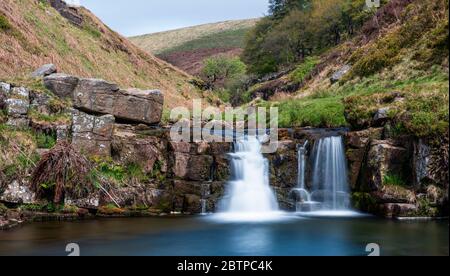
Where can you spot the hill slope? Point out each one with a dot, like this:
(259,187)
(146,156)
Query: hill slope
(33,33)
(186,48)
(402,52)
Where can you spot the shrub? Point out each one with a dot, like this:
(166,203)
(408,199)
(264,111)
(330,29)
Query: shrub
(304,69)
(67,169)
(4,23)
(221,69)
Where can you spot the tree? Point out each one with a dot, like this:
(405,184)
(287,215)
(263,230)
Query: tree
(220,69)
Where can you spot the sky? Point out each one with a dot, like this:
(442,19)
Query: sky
(136,17)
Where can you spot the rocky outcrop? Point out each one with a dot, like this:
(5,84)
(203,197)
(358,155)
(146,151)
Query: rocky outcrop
(142,146)
(92,134)
(62,85)
(68,12)
(98,96)
(338,75)
(17,104)
(101,97)
(44,71)
(18,193)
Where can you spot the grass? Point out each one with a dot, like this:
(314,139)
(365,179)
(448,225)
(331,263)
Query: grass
(224,39)
(393,180)
(228,33)
(304,69)
(45,141)
(317,112)
(82,52)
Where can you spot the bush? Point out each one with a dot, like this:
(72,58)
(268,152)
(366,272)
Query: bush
(221,69)
(4,23)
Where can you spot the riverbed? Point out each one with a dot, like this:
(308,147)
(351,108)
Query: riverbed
(291,235)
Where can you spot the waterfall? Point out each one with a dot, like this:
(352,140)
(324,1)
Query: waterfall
(330,178)
(301,150)
(249,191)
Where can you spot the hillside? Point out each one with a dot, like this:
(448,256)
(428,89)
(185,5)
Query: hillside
(186,48)
(33,33)
(396,66)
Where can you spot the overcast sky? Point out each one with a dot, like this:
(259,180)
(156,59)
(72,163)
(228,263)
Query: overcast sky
(135,17)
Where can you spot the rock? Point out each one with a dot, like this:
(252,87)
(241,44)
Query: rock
(18,193)
(144,106)
(44,70)
(99,96)
(68,12)
(90,202)
(357,143)
(384,158)
(381,116)
(337,76)
(192,167)
(95,95)
(92,134)
(395,210)
(147,151)
(394,194)
(192,204)
(18,101)
(62,133)
(421,163)
(19,122)
(5,87)
(4,92)
(61,85)
(40,102)
(134,196)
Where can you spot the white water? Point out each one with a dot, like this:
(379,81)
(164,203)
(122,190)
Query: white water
(330,178)
(301,151)
(249,196)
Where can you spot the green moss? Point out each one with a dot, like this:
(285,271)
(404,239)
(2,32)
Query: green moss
(364,202)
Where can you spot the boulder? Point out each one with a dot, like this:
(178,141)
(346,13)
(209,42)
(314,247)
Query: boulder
(44,70)
(337,76)
(95,95)
(4,92)
(18,193)
(396,210)
(19,122)
(134,105)
(381,116)
(192,167)
(92,134)
(383,158)
(18,101)
(421,163)
(144,106)
(129,147)
(61,85)
(40,102)
(89,202)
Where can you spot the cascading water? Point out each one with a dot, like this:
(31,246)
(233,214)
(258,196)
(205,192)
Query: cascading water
(249,195)
(330,178)
(301,151)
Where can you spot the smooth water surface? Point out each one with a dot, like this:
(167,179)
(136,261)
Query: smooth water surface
(203,236)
